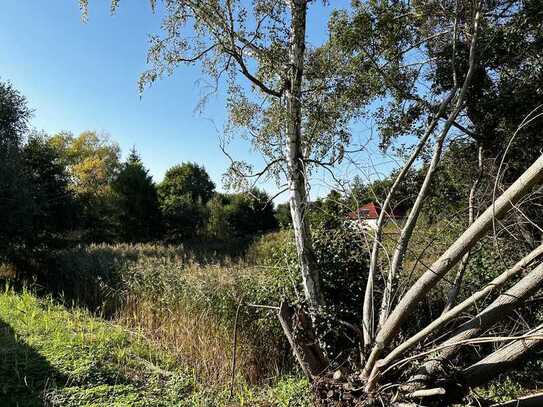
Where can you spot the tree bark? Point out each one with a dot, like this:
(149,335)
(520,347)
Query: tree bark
(307,352)
(503,359)
(295,158)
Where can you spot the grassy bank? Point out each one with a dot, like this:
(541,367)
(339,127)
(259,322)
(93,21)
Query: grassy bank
(183,303)
(53,356)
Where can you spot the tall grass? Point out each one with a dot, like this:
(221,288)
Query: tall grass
(187,300)
(57,357)
(184,302)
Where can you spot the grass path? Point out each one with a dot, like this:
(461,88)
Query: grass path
(57,357)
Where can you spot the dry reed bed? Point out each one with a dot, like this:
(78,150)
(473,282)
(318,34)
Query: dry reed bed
(185,303)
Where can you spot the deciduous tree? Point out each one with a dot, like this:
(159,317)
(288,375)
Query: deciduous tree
(93,162)
(183,195)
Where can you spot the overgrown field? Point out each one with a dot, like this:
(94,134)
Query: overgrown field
(186,301)
(53,356)
(133,325)
(183,302)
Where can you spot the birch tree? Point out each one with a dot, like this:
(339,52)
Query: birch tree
(427,64)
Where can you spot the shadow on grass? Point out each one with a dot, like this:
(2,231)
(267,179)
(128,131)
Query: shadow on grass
(24,373)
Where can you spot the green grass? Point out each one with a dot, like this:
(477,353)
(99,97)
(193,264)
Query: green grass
(53,356)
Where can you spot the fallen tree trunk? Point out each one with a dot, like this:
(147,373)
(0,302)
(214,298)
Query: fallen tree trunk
(533,400)
(447,316)
(531,177)
(503,359)
(500,309)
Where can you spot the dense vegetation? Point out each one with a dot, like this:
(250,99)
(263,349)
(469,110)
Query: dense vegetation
(59,357)
(168,293)
(64,189)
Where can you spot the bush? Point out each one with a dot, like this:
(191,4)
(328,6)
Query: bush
(343,263)
(292,392)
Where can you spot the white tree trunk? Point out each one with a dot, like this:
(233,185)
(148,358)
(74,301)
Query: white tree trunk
(295,157)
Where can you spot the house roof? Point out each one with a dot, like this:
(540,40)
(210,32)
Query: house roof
(371,211)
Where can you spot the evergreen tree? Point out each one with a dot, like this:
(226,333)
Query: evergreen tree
(53,205)
(15,199)
(242,215)
(138,214)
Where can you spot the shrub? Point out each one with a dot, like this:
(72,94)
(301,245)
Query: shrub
(292,392)
(342,259)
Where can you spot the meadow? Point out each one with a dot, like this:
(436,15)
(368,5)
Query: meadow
(147,325)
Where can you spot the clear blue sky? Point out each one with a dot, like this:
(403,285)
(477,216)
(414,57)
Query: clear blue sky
(83,76)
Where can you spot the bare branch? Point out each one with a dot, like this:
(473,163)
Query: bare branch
(532,176)
(239,59)
(412,219)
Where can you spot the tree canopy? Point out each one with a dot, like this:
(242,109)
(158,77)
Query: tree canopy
(183,195)
(93,163)
(14,198)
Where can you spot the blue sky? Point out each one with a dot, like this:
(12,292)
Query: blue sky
(83,76)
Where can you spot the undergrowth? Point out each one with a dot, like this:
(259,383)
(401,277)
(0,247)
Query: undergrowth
(53,356)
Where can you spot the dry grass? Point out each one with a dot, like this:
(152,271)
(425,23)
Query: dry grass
(197,339)
(186,305)
(7,271)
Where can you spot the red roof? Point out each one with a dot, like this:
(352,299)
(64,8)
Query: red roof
(371,211)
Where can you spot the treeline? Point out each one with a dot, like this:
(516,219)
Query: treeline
(64,188)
